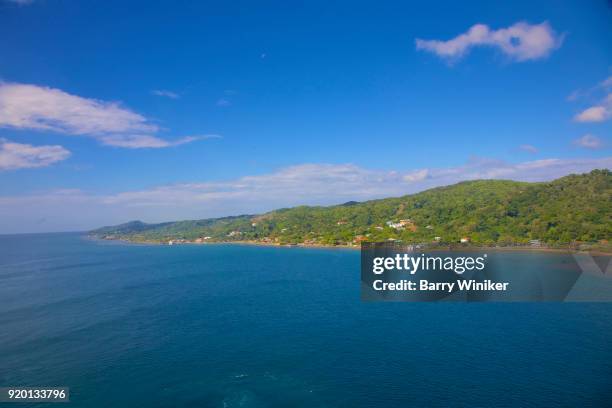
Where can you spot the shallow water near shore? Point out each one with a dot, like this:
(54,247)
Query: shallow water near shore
(254,326)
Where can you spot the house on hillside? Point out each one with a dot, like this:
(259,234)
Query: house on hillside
(359,239)
(408,224)
(535,243)
(402,224)
(396,225)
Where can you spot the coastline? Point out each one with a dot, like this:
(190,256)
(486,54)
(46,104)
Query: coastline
(595,252)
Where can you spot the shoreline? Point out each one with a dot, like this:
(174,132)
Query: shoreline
(596,252)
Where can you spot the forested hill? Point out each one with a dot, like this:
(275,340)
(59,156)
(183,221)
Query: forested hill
(487,212)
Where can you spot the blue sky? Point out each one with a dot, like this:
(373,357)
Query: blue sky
(117,110)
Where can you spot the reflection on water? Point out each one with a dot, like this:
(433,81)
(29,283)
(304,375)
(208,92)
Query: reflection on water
(242,326)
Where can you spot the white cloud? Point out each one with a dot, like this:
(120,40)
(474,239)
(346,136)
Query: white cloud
(597,113)
(311,184)
(24,106)
(589,142)
(167,94)
(417,175)
(593,114)
(520,42)
(22,156)
(529,148)
(600,111)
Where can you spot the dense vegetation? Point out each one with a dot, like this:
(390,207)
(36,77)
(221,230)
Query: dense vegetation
(575,208)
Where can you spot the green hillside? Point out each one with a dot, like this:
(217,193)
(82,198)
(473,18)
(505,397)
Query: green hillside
(488,212)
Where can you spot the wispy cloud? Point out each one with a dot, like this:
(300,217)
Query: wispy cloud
(147,141)
(578,94)
(165,93)
(21,2)
(24,106)
(529,148)
(313,184)
(520,42)
(15,156)
(223,102)
(334,183)
(589,141)
(574,95)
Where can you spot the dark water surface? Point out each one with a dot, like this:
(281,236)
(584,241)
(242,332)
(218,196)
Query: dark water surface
(242,326)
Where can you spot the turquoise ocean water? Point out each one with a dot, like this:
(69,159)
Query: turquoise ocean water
(242,326)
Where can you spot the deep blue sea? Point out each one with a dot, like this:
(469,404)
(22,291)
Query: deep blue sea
(127,325)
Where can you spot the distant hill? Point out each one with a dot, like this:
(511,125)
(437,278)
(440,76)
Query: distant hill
(487,212)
